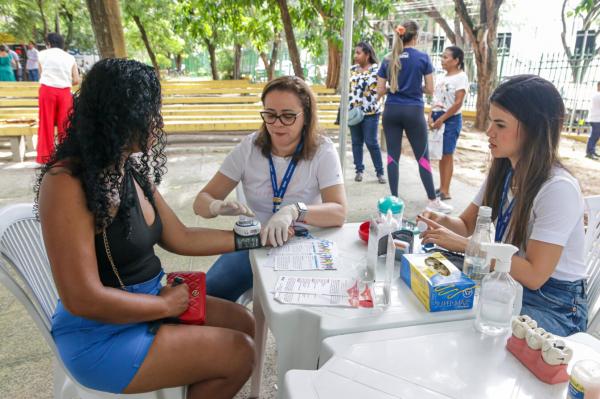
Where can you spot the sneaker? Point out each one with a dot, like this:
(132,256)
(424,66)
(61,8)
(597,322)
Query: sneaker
(381,179)
(437,192)
(438,206)
(591,156)
(358,176)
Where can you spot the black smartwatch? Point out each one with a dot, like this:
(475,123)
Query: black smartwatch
(246,234)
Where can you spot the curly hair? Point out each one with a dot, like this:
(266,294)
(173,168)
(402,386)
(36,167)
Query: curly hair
(115,112)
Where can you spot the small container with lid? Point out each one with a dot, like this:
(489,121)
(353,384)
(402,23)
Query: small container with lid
(393,204)
(585,380)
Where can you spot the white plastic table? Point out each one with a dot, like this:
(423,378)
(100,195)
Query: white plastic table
(299,330)
(444,360)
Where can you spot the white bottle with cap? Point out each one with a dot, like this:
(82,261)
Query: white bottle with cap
(498,292)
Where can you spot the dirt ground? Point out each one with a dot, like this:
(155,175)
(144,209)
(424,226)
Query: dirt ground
(472,159)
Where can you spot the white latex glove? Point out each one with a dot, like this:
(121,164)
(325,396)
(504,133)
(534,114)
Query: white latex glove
(276,231)
(229,208)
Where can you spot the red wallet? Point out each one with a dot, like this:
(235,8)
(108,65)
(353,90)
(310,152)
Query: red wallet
(196,282)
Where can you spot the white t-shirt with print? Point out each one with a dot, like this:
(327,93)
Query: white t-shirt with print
(556,218)
(246,164)
(57,66)
(445,90)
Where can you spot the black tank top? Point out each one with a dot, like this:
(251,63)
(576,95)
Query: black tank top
(132,247)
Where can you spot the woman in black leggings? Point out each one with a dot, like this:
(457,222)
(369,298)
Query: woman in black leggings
(404,70)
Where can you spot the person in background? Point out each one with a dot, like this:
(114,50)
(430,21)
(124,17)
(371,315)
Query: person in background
(536,203)
(448,97)
(6,65)
(33,73)
(98,200)
(363,94)
(594,120)
(290,174)
(404,71)
(58,73)
(17,67)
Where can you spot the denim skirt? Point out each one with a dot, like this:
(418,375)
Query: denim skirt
(558,306)
(103,356)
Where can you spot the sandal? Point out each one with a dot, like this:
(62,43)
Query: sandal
(445,197)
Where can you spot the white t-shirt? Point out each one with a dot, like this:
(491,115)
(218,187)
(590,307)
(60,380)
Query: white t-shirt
(445,90)
(594,115)
(57,66)
(557,218)
(247,164)
(32,58)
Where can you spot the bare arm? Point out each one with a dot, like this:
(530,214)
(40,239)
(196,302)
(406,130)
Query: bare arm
(332,212)
(218,187)
(458,101)
(40,69)
(75,75)
(183,240)
(428,88)
(538,265)
(381,87)
(68,229)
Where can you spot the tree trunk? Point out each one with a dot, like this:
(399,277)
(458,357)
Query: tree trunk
(483,40)
(105,16)
(334,61)
(290,38)
(151,54)
(57,23)
(69,38)
(237,61)
(270,63)
(213,59)
(178,62)
(40,4)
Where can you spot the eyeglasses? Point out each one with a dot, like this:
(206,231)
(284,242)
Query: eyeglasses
(286,118)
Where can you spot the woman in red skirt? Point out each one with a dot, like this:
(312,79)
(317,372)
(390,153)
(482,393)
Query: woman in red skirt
(58,72)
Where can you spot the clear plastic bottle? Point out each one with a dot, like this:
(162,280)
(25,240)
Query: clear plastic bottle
(498,292)
(379,229)
(475,265)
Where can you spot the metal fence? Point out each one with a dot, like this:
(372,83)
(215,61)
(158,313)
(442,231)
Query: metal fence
(575,78)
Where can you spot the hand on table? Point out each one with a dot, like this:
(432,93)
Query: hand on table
(277,230)
(441,236)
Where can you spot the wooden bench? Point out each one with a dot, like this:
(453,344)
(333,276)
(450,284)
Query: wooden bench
(188,107)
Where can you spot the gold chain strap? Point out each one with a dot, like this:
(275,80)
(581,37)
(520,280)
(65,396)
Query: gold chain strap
(110,259)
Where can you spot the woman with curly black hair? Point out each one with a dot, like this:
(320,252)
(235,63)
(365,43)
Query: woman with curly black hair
(96,198)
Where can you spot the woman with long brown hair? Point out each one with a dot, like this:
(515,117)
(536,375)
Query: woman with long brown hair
(404,76)
(536,203)
(290,173)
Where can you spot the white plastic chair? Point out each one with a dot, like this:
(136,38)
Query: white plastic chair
(592,259)
(25,271)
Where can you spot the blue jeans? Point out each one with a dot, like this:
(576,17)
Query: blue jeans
(230,276)
(33,75)
(594,136)
(452,128)
(559,307)
(366,133)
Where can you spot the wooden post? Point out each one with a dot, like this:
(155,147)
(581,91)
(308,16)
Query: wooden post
(105,16)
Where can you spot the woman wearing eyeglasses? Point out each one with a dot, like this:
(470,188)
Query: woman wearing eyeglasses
(290,173)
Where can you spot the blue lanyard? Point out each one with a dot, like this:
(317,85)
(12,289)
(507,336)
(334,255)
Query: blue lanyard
(278,193)
(504,216)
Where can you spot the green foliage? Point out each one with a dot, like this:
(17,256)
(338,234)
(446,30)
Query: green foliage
(23,19)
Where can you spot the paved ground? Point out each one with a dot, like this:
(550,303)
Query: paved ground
(25,359)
